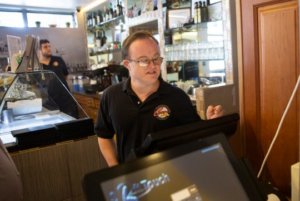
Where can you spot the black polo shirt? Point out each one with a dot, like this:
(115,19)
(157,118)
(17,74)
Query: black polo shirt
(58,66)
(122,112)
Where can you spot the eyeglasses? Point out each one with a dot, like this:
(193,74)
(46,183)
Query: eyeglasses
(144,62)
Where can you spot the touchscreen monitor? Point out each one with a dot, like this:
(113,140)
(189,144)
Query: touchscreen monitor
(205,169)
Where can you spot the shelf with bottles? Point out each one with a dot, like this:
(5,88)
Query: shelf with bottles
(107,24)
(206,11)
(194,13)
(105,14)
(104,32)
(200,39)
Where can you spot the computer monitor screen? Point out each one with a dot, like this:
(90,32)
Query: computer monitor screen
(171,137)
(201,170)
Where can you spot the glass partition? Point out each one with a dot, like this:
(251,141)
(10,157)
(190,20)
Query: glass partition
(35,99)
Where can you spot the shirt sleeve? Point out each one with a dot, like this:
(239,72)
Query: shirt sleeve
(103,125)
(64,67)
(187,112)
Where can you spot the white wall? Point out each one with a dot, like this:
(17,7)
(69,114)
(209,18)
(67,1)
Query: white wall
(71,42)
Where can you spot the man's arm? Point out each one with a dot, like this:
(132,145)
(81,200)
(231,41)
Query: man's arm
(108,150)
(64,67)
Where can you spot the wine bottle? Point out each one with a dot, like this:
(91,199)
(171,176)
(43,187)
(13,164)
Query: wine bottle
(120,7)
(115,12)
(103,39)
(106,14)
(98,17)
(117,9)
(195,13)
(111,12)
(199,12)
(101,16)
(89,20)
(204,13)
(98,39)
(93,20)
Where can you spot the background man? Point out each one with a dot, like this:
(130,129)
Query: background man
(53,63)
(56,91)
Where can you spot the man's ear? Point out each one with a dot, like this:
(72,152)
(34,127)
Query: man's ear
(126,64)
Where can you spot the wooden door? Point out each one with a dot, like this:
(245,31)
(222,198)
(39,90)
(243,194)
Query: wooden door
(270,71)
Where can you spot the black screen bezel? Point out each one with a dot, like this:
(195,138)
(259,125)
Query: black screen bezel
(165,139)
(92,181)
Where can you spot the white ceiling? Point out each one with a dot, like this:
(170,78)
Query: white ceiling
(46,4)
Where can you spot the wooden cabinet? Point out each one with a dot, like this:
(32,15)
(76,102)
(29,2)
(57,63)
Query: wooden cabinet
(89,103)
(55,172)
(270,69)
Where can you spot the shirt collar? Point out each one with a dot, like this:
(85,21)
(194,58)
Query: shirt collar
(163,87)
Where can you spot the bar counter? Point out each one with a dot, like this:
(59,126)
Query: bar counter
(90,103)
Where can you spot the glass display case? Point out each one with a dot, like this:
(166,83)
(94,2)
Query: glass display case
(37,109)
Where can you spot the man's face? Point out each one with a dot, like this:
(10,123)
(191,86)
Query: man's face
(46,49)
(143,50)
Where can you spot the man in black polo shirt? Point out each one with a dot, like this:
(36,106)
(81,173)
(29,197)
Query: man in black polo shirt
(60,98)
(142,104)
(53,63)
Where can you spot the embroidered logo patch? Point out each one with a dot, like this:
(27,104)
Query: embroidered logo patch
(55,63)
(162,112)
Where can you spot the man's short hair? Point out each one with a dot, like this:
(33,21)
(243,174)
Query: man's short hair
(133,37)
(43,41)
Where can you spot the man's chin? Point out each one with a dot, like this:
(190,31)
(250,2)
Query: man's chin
(152,80)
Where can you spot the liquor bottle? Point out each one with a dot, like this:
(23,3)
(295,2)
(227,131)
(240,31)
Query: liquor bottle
(207,13)
(195,13)
(115,12)
(199,13)
(103,39)
(98,17)
(93,20)
(204,13)
(101,16)
(90,20)
(111,11)
(120,7)
(106,14)
(98,39)
(117,8)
